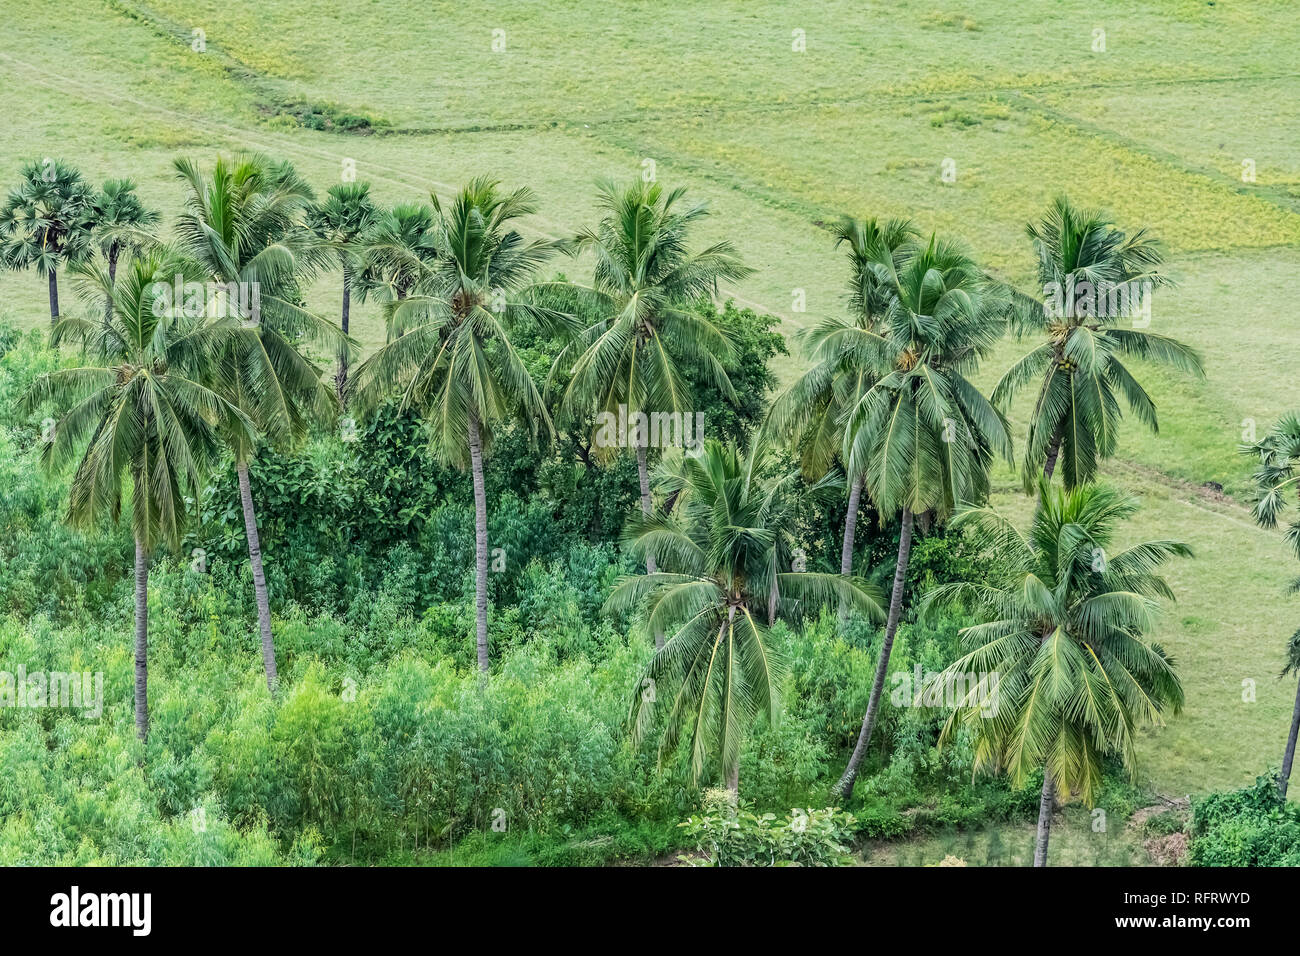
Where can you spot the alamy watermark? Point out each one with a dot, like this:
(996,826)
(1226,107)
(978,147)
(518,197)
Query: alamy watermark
(948,689)
(216,300)
(653,430)
(56,689)
(1083,299)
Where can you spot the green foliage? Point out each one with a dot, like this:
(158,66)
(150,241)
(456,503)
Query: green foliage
(1247,827)
(726,835)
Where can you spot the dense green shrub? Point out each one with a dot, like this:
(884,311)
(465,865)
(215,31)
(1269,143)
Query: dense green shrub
(1248,827)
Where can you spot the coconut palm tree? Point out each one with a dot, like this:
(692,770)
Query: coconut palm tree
(242,225)
(120,218)
(628,363)
(343,219)
(46,222)
(453,360)
(144,413)
(1277,478)
(722,550)
(1095,278)
(398,253)
(922,435)
(812,411)
(1064,625)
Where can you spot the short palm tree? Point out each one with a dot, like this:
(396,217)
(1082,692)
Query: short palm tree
(1069,674)
(722,550)
(453,360)
(242,225)
(1093,275)
(1277,479)
(630,361)
(120,218)
(343,219)
(398,253)
(812,411)
(922,435)
(46,223)
(143,412)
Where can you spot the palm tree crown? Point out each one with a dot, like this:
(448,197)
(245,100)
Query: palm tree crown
(1064,631)
(725,545)
(1094,278)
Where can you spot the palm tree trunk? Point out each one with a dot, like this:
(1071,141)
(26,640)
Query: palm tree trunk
(850,527)
(1053,450)
(480,541)
(733,781)
(1044,819)
(54,298)
(1284,777)
(112,279)
(844,788)
(259,577)
(643,475)
(141,640)
(342,380)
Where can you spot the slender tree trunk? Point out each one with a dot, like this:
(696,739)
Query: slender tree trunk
(850,527)
(342,380)
(141,640)
(733,782)
(1044,819)
(259,577)
(1053,450)
(480,541)
(112,280)
(850,532)
(1287,758)
(845,786)
(643,475)
(54,298)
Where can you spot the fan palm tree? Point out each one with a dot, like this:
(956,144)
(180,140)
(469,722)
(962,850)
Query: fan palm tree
(343,219)
(46,222)
(119,218)
(454,361)
(922,435)
(1277,478)
(1094,277)
(242,225)
(1072,674)
(722,550)
(811,412)
(629,362)
(142,412)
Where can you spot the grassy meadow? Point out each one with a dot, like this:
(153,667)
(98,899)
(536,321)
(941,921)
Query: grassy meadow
(1155,128)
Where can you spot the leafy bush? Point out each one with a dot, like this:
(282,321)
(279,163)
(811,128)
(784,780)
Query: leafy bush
(727,835)
(1248,827)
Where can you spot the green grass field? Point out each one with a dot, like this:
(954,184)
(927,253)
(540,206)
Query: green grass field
(1154,128)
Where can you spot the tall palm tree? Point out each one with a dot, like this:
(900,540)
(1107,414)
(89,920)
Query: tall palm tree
(144,412)
(119,218)
(1093,276)
(812,411)
(1277,478)
(453,360)
(629,361)
(722,548)
(46,222)
(922,435)
(343,219)
(1064,632)
(243,226)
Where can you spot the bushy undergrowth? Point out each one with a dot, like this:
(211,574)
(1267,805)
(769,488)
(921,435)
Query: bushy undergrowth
(1248,827)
